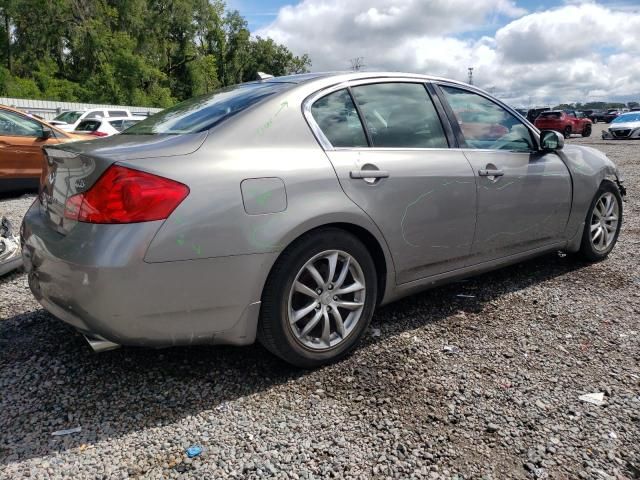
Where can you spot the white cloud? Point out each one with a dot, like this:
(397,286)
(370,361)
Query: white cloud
(579,51)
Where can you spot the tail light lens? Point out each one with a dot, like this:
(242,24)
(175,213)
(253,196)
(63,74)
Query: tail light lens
(124,195)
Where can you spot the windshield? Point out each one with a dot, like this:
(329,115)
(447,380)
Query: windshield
(204,112)
(629,117)
(69,117)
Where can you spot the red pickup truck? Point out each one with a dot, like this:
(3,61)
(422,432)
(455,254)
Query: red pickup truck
(565,122)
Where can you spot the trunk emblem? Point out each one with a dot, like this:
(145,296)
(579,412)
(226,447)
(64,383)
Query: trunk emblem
(52,177)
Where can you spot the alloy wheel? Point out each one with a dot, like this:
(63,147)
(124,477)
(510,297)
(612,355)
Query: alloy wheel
(326,300)
(604,221)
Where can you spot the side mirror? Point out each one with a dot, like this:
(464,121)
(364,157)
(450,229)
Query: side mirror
(46,133)
(551,141)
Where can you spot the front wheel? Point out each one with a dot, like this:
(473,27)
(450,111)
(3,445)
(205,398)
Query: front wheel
(586,131)
(319,299)
(603,222)
(567,132)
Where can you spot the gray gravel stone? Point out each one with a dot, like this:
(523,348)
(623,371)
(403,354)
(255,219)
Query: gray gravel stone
(533,338)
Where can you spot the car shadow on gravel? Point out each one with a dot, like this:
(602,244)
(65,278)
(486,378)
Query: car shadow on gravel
(50,380)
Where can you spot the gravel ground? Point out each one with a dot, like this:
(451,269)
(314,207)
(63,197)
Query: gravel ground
(502,404)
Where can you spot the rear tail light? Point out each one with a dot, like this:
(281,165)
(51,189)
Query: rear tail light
(124,195)
(98,134)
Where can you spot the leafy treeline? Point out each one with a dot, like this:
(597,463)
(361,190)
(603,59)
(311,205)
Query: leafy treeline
(130,52)
(595,105)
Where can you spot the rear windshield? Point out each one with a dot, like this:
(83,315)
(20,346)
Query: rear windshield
(88,126)
(204,112)
(550,115)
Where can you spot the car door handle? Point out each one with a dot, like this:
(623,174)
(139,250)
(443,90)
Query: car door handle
(369,174)
(490,173)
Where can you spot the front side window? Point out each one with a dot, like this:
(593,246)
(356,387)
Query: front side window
(14,125)
(400,115)
(69,117)
(337,117)
(486,125)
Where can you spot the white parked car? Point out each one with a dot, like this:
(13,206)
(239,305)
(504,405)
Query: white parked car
(105,127)
(68,121)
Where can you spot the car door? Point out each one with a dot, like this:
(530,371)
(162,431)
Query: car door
(392,157)
(21,141)
(524,195)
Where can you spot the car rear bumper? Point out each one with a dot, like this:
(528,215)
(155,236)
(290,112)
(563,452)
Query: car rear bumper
(95,279)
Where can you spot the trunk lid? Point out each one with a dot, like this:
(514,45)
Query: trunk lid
(73,168)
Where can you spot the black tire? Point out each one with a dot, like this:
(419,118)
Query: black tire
(587,249)
(567,132)
(586,131)
(274,331)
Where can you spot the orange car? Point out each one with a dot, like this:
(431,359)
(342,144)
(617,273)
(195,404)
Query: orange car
(21,141)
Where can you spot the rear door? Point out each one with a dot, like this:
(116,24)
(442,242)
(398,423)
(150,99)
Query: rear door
(524,195)
(400,170)
(21,141)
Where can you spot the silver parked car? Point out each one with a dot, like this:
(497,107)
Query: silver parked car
(625,126)
(289,208)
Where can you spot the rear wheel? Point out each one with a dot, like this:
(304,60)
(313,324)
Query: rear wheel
(603,222)
(567,132)
(586,131)
(319,299)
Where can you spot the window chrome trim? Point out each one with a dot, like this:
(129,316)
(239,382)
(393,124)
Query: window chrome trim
(324,141)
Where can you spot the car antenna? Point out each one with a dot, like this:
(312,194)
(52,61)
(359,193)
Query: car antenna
(263,76)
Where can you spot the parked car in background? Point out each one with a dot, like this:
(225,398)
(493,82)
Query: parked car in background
(533,113)
(565,122)
(68,121)
(21,140)
(305,202)
(611,114)
(626,125)
(105,127)
(596,115)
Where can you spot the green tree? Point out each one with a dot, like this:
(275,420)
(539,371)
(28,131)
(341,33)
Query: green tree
(141,52)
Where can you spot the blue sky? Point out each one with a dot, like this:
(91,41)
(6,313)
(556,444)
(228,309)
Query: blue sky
(525,51)
(260,13)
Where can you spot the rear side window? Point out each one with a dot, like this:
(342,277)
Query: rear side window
(118,113)
(550,115)
(95,114)
(337,117)
(88,126)
(205,112)
(400,115)
(117,124)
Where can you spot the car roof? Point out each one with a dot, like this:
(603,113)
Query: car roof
(346,76)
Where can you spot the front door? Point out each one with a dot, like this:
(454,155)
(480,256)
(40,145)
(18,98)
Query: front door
(400,170)
(20,146)
(524,195)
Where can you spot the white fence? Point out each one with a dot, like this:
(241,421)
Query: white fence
(48,110)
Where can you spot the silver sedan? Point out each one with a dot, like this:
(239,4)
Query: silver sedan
(288,209)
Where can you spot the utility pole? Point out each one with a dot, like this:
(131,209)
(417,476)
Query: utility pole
(357,64)
(470,75)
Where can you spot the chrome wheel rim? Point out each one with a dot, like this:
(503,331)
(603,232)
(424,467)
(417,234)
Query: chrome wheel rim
(326,300)
(604,222)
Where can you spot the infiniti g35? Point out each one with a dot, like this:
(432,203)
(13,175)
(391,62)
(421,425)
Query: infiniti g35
(288,209)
